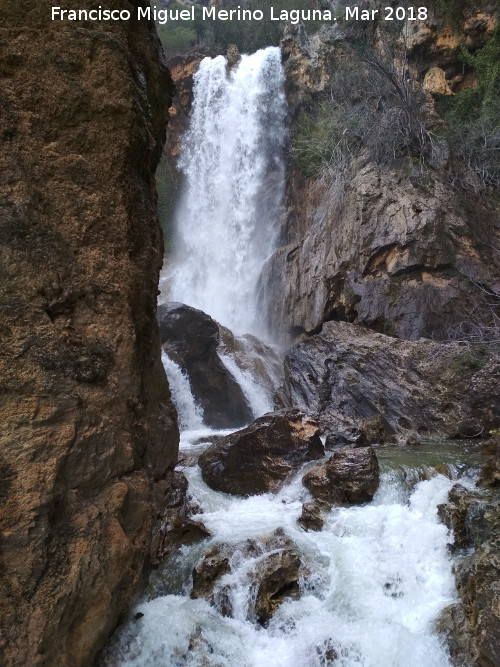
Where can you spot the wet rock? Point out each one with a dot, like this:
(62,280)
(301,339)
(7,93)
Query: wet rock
(311,518)
(261,361)
(213,565)
(348,378)
(233,57)
(455,626)
(454,515)
(276,578)
(272,568)
(175,525)
(349,476)
(352,437)
(472,626)
(259,457)
(490,473)
(191,338)
(327,653)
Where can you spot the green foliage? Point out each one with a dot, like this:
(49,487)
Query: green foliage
(369,106)
(316,137)
(472,360)
(177,37)
(248,36)
(448,11)
(473,117)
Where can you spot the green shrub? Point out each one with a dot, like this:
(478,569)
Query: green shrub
(472,116)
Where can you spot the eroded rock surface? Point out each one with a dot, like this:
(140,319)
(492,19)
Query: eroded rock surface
(472,626)
(258,458)
(177,523)
(390,247)
(348,377)
(87,422)
(403,256)
(350,475)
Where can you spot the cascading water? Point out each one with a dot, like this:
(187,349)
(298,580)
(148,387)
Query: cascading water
(376,576)
(232,161)
(190,415)
(379,575)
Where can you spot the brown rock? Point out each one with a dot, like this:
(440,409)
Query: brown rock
(233,56)
(274,576)
(87,422)
(435,82)
(277,577)
(175,525)
(349,476)
(472,626)
(454,515)
(257,458)
(490,473)
(404,256)
(311,518)
(213,565)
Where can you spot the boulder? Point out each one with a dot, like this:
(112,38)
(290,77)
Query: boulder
(273,568)
(190,338)
(353,437)
(350,475)
(259,457)
(352,379)
(490,472)
(311,518)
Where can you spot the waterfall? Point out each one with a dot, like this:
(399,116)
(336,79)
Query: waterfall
(233,167)
(189,413)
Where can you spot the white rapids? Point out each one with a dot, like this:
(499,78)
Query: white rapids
(232,160)
(380,574)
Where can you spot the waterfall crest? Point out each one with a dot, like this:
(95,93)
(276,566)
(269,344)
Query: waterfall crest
(233,166)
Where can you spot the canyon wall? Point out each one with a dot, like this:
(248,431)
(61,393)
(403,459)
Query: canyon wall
(89,433)
(403,249)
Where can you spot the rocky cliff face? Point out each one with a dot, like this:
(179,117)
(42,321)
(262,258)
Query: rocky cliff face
(87,422)
(405,255)
(394,247)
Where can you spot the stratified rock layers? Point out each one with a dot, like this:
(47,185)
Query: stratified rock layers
(87,422)
(349,377)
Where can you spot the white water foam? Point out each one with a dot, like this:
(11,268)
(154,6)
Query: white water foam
(232,161)
(259,400)
(381,574)
(190,414)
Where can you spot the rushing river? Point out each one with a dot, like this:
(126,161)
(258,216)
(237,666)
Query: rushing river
(378,575)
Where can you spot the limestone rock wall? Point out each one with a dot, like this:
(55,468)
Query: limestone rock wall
(87,422)
(405,255)
(391,247)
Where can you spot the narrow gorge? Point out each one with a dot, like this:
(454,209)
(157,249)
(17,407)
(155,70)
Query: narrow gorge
(274,438)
